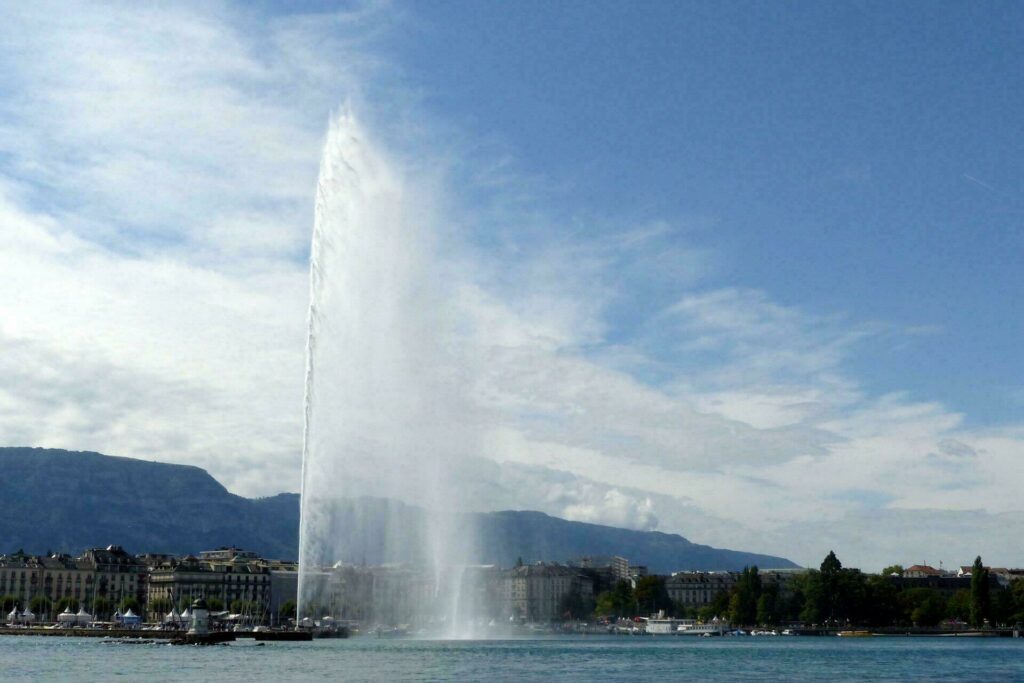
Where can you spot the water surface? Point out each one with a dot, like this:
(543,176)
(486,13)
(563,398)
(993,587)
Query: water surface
(573,659)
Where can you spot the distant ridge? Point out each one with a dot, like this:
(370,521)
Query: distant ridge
(70,500)
(541,536)
(66,501)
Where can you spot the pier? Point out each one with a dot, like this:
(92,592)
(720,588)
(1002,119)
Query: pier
(214,637)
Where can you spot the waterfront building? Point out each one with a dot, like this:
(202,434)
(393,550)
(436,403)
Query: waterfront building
(400,595)
(20,577)
(600,571)
(117,574)
(228,554)
(66,577)
(623,570)
(947,585)
(106,576)
(921,571)
(1002,575)
(284,587)
(388,595)
(620,568)
(240,580)
(698,589)
(537,592)
(601,578)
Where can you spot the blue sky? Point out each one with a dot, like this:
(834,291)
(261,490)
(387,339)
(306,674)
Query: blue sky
(744,271)
(859,158)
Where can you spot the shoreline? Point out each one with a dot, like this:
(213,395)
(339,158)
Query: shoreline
(169,636)
(302,636)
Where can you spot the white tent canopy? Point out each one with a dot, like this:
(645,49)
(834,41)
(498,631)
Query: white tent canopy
(83,617)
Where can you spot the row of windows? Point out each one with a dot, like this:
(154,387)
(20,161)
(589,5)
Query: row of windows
(22,574)
(693,596)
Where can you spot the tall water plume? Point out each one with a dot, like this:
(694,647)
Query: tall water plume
(382,384)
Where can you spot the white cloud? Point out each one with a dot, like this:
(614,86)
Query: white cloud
(616,509)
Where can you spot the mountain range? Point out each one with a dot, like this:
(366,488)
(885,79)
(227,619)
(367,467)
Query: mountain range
(66,501)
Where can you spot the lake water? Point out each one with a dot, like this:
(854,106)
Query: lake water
(621,658)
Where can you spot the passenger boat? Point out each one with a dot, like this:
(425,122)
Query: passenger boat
(660,625)
(689,627)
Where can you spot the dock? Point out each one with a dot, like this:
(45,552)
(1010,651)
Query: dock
(212,638)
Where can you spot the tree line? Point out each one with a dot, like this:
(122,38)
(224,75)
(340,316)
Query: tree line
(829,596)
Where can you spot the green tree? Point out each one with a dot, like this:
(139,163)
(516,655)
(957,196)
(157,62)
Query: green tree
(66,603)
(7,603)
(606,606)
(896,569)
(768,605)
(718,607)
(851,602)
(684,611)
(831,571)
(102,607)
(979,593)
(929,612)
(1017,598)
(239,606)
(790,602)
(215,604)
(745,594)
(812,608)
(881,601)
(616,602)
(923,606)
(958,606)
(651,595)
(288,610)
(130,603)
(158,607)
(1002,607)
(40,606)
(834,595)
(314,611)
(623,591)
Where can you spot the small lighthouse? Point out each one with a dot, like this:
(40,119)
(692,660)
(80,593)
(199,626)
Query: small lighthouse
(200,618)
